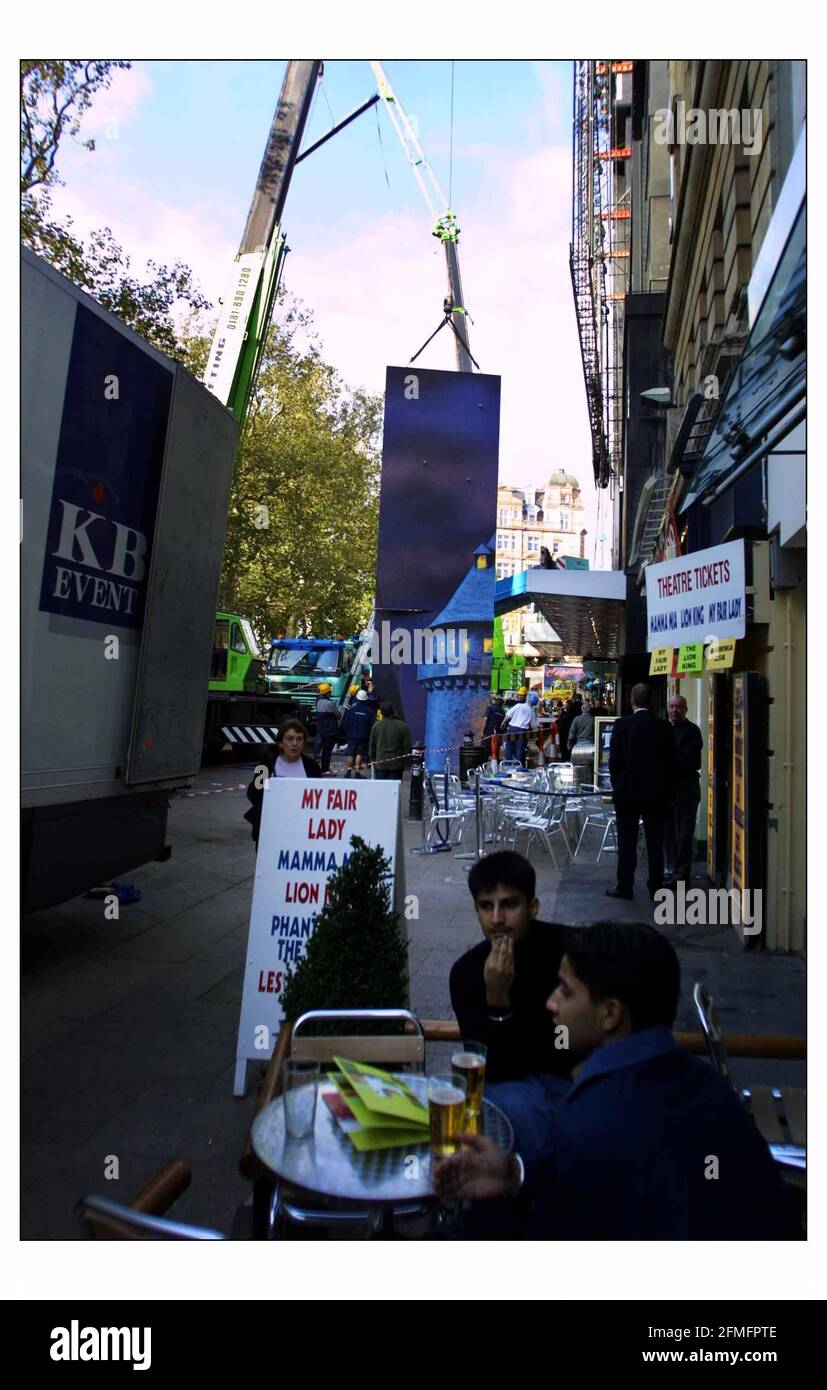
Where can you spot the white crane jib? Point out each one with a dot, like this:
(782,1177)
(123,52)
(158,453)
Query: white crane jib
(445,225)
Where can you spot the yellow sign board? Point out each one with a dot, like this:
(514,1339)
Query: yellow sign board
(691,659)
(660,662)
(719,653)
(562,690)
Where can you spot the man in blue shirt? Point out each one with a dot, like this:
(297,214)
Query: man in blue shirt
(650,1143)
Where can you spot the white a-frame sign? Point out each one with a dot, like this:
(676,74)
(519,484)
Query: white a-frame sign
(305,836)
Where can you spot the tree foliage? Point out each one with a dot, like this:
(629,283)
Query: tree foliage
(300,557)
(54,96)
(357,956)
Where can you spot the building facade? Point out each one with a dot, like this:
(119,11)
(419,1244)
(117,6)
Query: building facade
(715,442)
(529,519)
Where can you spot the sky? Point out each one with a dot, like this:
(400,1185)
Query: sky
(178,147)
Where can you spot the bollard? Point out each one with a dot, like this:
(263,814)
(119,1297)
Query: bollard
(417,768)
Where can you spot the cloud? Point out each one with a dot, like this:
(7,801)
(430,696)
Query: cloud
(119,102)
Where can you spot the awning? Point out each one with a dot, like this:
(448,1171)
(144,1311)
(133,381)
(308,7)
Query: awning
(765,397)
(585,607)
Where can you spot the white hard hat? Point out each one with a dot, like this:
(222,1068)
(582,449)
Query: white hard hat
(361,695)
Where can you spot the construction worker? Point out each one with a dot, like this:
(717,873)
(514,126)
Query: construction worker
(327,726)
(359,720)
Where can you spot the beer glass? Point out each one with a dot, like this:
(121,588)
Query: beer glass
(446,1106)
(468,1061)
(300,1086)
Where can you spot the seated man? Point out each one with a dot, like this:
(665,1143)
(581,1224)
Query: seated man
(650,1143)
(499,991)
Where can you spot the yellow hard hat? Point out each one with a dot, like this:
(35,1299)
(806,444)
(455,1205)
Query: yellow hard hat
(325,688)
(523,690)
(354,690)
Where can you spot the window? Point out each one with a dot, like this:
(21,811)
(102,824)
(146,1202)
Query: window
(500,568)
(533,543)
(555,547)
(565,519)
(238,644)
(564,497)
(218,666)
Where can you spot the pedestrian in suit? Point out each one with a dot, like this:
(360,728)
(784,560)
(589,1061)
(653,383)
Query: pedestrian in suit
(683,811)
(642,769)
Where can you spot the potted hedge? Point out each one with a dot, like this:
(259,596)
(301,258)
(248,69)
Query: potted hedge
(357,956)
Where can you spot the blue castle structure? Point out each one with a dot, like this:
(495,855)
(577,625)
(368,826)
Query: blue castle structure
(456,698)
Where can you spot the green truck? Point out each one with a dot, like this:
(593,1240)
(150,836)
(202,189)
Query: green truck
(240,708)
(248,696)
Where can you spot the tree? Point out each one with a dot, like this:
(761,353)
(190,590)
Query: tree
(357,956)
(300,557)
(54,96)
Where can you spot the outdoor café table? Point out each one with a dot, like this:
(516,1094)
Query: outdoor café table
(327,1164)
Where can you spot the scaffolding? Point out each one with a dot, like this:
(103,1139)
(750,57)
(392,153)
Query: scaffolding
(600,256)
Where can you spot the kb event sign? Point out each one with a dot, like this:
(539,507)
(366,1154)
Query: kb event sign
(695,597)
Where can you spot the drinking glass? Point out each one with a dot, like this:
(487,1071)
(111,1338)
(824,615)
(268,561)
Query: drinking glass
(468,1061)
(301,1081)
(446,1106)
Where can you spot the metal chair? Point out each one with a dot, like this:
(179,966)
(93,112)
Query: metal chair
(716,1047)
(142,1219)
(779,1113)
(103,1219)
(547,819)
(595,813)
(449,811)
(394,1050)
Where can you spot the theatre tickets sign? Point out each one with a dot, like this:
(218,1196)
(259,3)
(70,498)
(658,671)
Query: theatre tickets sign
(695,597)
(307,825)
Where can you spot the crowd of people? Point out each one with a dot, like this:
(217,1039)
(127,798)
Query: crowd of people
(375,735)
(557,725)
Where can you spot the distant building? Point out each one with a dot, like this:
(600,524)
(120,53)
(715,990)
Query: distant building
(528,519)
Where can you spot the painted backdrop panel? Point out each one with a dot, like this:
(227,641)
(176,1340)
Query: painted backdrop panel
(438,506)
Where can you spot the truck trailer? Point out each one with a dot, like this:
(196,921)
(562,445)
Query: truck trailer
(126,469)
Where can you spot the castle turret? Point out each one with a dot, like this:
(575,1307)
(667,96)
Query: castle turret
(458,680)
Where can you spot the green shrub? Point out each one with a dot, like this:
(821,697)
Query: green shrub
(357,956)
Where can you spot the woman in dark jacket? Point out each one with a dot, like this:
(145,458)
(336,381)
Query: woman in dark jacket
(284,759)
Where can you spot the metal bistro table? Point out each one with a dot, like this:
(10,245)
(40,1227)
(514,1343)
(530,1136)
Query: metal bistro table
(326,1163)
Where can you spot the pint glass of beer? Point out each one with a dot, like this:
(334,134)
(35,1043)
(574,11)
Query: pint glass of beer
(468,1061)
(446,1104)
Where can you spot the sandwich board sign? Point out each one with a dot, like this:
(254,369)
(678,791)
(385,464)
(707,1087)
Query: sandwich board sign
(306,829)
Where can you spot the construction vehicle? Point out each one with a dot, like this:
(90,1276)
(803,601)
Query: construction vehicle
(238,696)
(299,665)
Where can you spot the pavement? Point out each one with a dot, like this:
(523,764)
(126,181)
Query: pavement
(128,1027)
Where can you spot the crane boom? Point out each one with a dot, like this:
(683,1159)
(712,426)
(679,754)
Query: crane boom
(445,223)
(247,307)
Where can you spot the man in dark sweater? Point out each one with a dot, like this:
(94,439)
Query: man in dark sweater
(499,991)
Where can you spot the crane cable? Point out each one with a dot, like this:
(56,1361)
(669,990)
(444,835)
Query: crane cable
(381,146)
(451,145)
